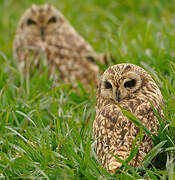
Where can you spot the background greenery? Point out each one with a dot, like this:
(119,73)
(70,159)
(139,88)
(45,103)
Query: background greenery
(46,132)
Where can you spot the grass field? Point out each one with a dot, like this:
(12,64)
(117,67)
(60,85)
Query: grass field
(46,133)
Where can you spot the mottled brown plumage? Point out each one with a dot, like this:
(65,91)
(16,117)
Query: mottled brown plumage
(44,30)
(133,89)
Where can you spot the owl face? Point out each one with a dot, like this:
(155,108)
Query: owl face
(122,81)
(41,21)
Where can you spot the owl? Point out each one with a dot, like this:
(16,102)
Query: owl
(130,87)
(43,30)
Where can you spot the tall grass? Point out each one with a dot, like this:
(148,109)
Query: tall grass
(46,131)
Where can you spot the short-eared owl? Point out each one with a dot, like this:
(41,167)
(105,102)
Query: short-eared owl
(44,30)
(130,87)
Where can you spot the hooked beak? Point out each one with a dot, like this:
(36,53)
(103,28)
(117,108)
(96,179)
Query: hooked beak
(118,95)
(42,31)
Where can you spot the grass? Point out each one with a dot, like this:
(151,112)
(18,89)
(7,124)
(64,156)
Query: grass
(45,132)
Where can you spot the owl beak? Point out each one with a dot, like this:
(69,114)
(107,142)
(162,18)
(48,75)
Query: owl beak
(42,30)
(118,95)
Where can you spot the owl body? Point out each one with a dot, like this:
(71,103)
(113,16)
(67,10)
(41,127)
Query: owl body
(132,88)
(44,30)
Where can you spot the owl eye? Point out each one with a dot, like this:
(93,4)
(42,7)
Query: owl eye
(108,85)
(52,20)
(130,83)
(30,21)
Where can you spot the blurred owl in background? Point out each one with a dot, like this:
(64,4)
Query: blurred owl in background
(132,88)
(44,30)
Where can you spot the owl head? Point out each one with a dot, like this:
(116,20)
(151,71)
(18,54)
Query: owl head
(41,21)
(125,81)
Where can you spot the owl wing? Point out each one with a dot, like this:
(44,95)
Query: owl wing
(111,130)
(74,42)
(145,114)
(115,133)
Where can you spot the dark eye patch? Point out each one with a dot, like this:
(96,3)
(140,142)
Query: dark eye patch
(91,59)
(108,85)
(52,20)
(130,83)
(30,21)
